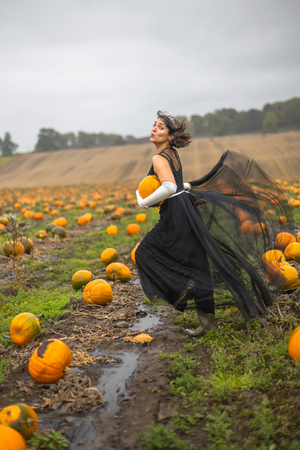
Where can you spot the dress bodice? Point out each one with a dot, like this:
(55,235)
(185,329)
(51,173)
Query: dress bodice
(171,155)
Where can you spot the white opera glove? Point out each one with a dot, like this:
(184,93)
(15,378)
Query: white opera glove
(162,193)
(187,186)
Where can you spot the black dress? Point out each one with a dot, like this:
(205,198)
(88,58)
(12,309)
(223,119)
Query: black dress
(199,242)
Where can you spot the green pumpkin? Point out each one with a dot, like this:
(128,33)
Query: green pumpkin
(81,278)
(49,227)
(59,231)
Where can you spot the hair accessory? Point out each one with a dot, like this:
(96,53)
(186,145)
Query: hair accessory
(164,113)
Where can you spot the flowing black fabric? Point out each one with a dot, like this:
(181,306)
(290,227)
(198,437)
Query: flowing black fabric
(214,235)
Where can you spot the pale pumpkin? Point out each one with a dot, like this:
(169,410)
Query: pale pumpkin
(23,328)
(10,439)
(118,271)
(49,361)
(21,418)
(98,292)
(109,255)
(81,278)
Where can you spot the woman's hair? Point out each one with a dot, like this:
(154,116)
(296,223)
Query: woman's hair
(178,129)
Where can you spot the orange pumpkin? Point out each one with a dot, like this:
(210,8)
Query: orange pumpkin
(133,228)
(282,220)
(83,220)
(10,439)
(81,278)
(284,239)
(246,226)
(294,344)
(118,271)
(132,255)
(147,186)
(291,276)
(54,212)
(141,218)
(292,251)
(257,228)
(298,237)
(12,248)
(60,222)
(58,203)
(21,418)
(142,338)
(98,292)
(112,229)
(4,220)
(49,361)
(120,211)
(17,206)
(23,328)
(109,255)
(272,255)
(38,216)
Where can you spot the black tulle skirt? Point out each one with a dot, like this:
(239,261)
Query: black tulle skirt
(214,237)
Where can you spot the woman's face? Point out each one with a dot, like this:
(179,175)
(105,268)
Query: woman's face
(159,133)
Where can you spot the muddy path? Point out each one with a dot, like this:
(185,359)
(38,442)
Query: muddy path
(115,388)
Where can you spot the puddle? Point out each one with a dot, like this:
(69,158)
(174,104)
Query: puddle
(146,322)
(115,381)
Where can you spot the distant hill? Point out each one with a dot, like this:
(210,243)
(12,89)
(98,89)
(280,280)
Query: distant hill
(278,154)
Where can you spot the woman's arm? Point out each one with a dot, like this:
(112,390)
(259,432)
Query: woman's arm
(163,171)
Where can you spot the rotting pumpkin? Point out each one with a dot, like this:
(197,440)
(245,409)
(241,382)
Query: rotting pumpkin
(49,361)
(20,417)
(23,328)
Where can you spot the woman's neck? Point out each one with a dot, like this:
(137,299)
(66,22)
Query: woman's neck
(162,147)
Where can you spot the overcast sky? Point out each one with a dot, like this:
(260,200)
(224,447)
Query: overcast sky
(109,65)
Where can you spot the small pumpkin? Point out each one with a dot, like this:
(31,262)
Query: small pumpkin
(120,211)
(20,417)
(284,239)
(246,226)
(109,255)
(132,255)
(133,228)
(140,218)
(10,439)
(54,212)
(12,248)
(27,243)
(41,234)
(49,227)
(38,216)
(23,328)
(118,271)
(111,230)
(49,361)
(294,344)
(81,278)
(59,231)
(60,222)
(292,251)
(98,292)
(281,220)
(4,220)
(142,338)
(115,216)
(82,220)
(17,206)
(58,203)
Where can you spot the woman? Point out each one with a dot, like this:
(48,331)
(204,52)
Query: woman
(199,231)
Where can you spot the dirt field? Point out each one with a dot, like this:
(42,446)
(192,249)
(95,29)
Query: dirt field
(278,154)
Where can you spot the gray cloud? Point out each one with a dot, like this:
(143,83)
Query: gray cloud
(110,65)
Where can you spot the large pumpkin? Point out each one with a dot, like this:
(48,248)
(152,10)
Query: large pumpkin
(148,185)
(292,251)
(49,361)
(21,418)
(23,328)
(81,278)
(132,255)
(272,255)
(10,439)
(98,292)
(294,344)
(109,255)
(12,248)
(284,239)
(118,271)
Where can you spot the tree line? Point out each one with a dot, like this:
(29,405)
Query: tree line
(278,116)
